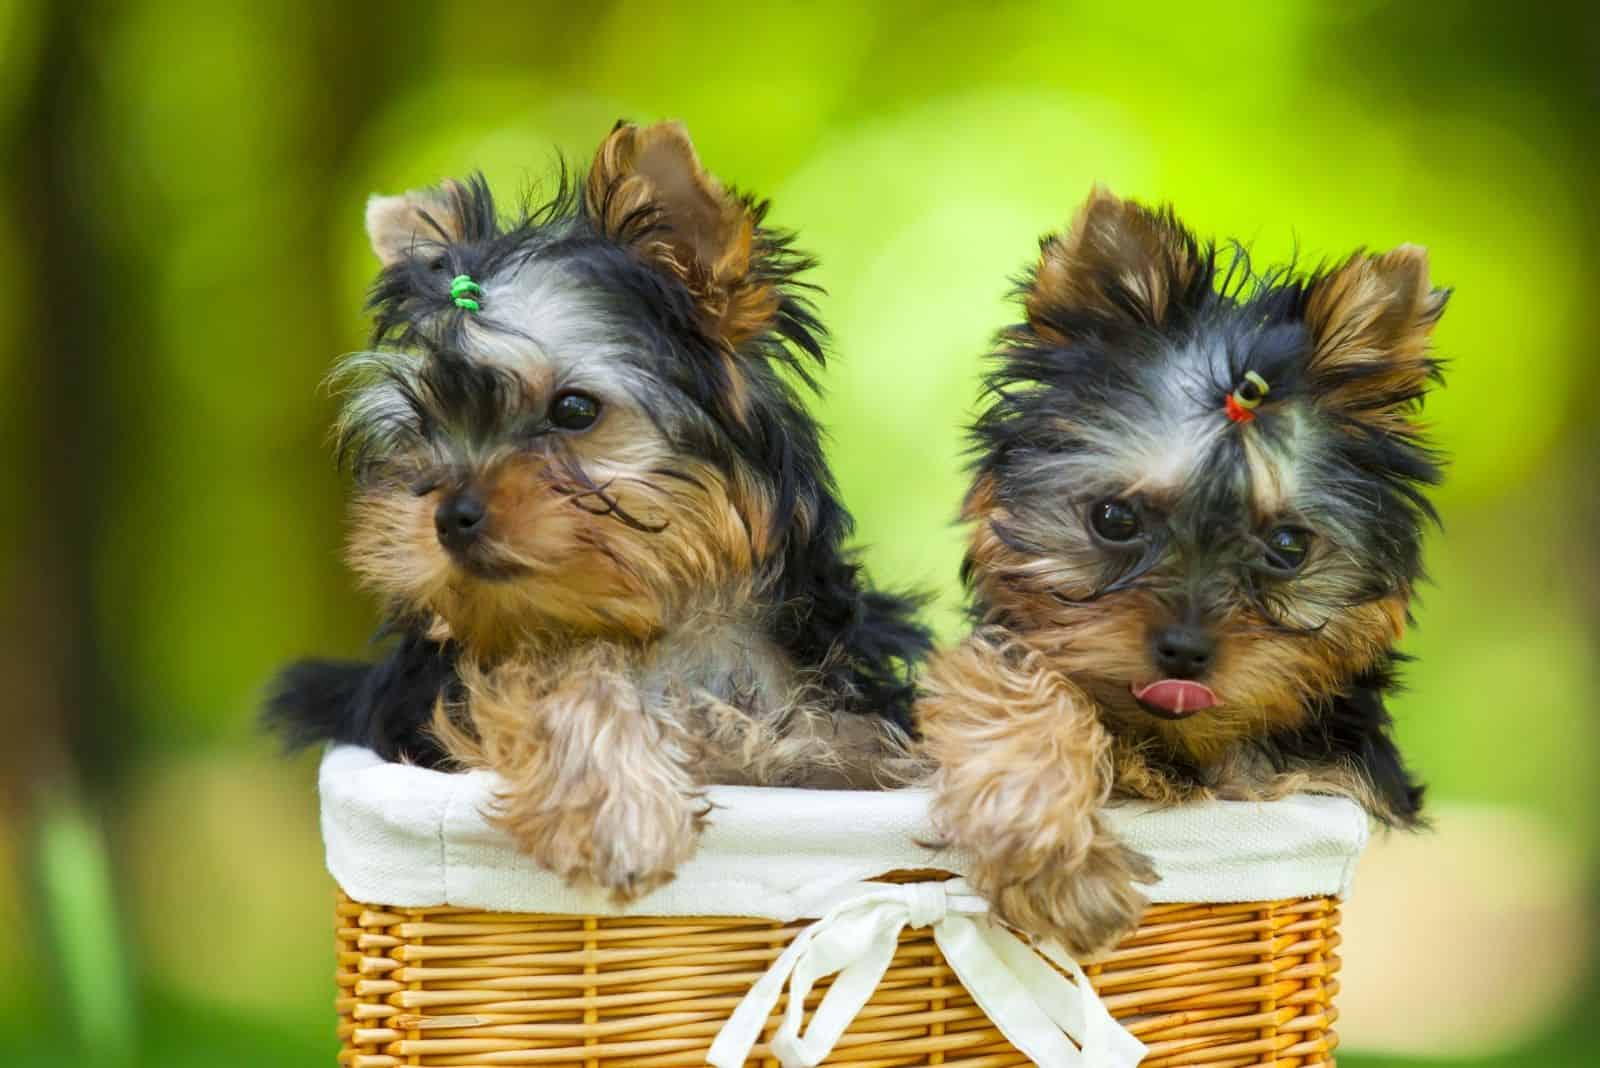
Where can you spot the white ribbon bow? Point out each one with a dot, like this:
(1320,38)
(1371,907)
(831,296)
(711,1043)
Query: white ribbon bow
(1033,1005)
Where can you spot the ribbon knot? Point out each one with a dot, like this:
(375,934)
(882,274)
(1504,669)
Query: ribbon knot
(925,904)
(1051,1014)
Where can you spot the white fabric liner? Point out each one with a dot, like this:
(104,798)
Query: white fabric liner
(405,836)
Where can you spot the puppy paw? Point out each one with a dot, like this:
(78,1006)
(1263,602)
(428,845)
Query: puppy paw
(1088,908)
(642,853)
(626,849)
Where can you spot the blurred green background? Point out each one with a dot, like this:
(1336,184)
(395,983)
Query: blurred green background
(181,257)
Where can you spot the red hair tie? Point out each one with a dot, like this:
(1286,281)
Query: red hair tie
(1246,398)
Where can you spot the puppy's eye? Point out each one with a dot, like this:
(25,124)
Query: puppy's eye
(574,410)
(1115,521)
(1287,548)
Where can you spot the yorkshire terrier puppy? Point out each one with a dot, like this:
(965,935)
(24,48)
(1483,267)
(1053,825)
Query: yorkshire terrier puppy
(601,517)
(1197,516)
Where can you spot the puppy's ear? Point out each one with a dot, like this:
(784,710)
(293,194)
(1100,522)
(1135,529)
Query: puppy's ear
(1370,319)
(416,222)
(1119,263)
(648,189)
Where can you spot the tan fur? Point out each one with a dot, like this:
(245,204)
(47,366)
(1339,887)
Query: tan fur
(1032,727)
(806,746)
(1029,735)
(586,667)
(605,749)
(1240,776)
(1376,310)
(597,787)
(1100,644)
(574,571)
(1110,240)
(1270,495)
(707,235)
(1022,769)
(398,226)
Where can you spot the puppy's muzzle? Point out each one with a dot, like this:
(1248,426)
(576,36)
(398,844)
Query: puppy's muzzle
(1183,651)
(460,520)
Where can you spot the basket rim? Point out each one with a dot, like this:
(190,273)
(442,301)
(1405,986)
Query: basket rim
(416,838)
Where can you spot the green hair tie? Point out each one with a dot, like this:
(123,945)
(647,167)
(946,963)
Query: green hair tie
(460,286)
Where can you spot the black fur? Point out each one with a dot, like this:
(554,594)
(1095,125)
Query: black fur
(386,706)
(1354,729)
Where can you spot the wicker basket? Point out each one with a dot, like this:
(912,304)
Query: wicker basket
(1201,985)
(1204,984)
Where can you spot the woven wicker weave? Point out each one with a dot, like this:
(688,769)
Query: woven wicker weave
(1201,985)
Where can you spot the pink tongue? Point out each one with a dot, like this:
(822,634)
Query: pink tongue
(1178,696)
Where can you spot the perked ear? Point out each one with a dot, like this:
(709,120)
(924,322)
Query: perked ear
(1119,262)
(647,188)
(1370,319)
(422,219)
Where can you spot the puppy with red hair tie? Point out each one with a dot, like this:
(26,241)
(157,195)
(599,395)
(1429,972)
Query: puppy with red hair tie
(1196,519)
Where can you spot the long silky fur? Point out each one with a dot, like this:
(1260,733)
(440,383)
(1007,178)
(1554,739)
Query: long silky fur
(1120,385)
(1355,731)
(854,643)
(1091,350)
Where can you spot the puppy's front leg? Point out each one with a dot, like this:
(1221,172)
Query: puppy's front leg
(1022,770)
(597,784)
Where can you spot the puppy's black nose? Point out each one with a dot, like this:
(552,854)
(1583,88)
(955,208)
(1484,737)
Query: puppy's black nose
(1183,651)
(459,520)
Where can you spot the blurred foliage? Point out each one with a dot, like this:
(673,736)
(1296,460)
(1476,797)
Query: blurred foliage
(181,257)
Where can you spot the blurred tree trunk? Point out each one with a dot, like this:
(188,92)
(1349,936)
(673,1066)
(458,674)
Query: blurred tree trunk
(61,702)
(84,309)
(52,663)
